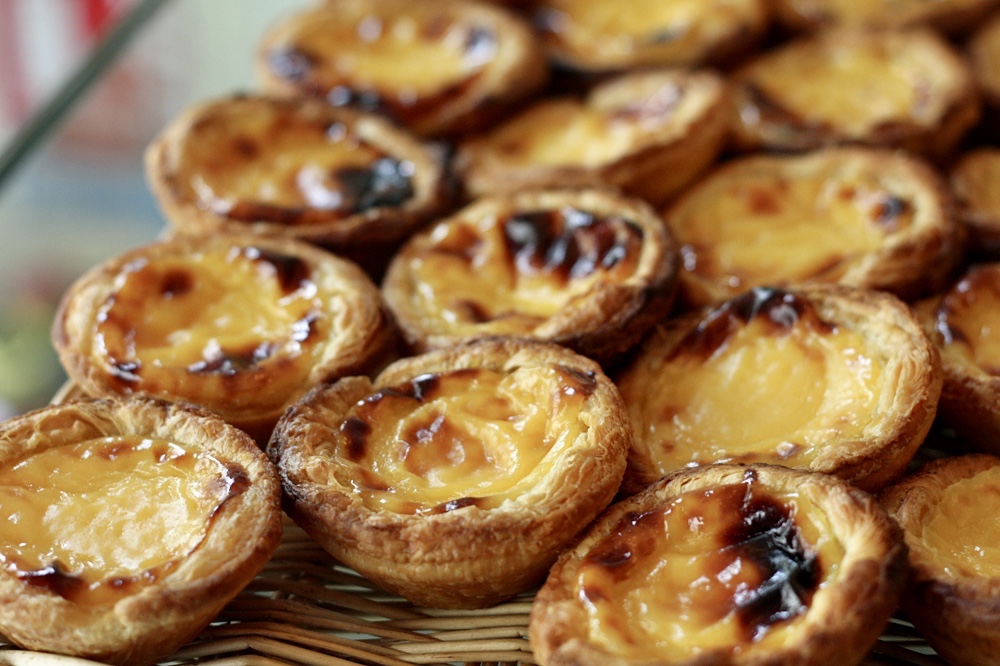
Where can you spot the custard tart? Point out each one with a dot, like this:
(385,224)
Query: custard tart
(648,133)
(589,269)
(456,477)
(439,67)
(726,564)
(948,514)
(823,378)
(296,168)
(904,89)
(600,36)
(964,322)
(953,17)
(973,183)
(241,325)
(127,525)
(854,216)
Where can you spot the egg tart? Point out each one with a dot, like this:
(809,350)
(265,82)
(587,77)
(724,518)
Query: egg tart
(948,513)
(598,36)
(588,269)
(455,477)
(953,17)
(973,179)
(648,133)
(127,526)
(964,322)
(725,564)
(439,67)
(823,378)
(296,168)
(241,325)
(904,89)
(854,216)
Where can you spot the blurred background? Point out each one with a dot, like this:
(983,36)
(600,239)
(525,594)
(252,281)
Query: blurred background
(78,196)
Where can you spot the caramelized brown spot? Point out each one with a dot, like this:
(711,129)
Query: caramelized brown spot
(55,579)
(461,242)
(386,182)
(578,382)
(781,310)
(245,147)
(291,272)
(889,210)
(176,282)
(356,433)
(763,201)
(454,504)
(229,363)
(569,243)
(434,439)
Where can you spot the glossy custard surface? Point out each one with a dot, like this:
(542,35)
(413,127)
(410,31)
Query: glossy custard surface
(760,379)
(960,530)
(749,227)
(727,568)
(853,85)
(194,325)
(99,520)
(508,274)
(396,62)
(443,441)
(254,161)
(969,319)
(567,132)
(672,31)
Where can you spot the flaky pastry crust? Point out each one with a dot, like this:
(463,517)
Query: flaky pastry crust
(439,67)
(648,133)
(853,216)
(150,614)
(240,324)
(432,521)
(856,399)
(588,269)
(296,168)
(956,609)
(953,17)
(960,321)
(835,531)
(904,88)
(972,179)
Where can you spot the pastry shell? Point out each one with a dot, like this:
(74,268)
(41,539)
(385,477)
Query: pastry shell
(648,133)
(905,88)
(296,168)
(962,323)
(439,67)
(588,269)
(856,216)
(972,179)
(954,603)
(823,378)
(240,324)
(952,17)
(834,537)
(148,614)
(432,542)
(597,36)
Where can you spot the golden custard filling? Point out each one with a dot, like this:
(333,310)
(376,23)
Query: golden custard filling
(965,509)
(187,325)
(98,520)
(466,437)
(567,132)
(853,86)
(760,379)
(969,319)
(750,229)
(671,29)
(508,274)
(394,59)
(258,161)
(725,568)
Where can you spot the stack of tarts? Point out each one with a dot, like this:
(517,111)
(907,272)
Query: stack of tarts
(652,308)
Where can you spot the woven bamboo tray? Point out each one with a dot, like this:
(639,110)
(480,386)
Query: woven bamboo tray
(306,609)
